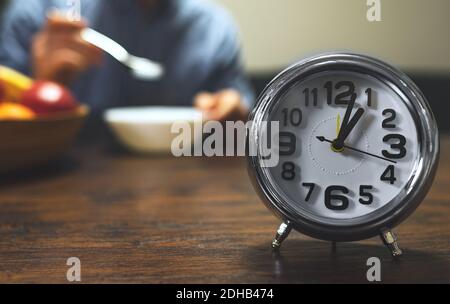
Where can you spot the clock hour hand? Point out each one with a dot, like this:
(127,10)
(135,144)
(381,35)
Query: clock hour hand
(323,139)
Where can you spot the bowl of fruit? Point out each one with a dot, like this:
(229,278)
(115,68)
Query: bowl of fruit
(39,120)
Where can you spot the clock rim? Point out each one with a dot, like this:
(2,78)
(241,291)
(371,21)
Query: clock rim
(416,188)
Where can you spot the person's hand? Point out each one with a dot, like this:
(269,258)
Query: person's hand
(59,53)
(222,106)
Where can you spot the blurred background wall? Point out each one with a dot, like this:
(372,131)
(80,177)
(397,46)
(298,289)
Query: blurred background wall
(2,6)
(413,35)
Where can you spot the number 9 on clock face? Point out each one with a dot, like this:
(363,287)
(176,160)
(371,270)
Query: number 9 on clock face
(357,146)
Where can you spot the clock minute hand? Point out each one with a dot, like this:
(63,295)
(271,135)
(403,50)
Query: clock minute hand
(323,139)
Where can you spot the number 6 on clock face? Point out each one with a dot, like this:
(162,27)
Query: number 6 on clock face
(358,147)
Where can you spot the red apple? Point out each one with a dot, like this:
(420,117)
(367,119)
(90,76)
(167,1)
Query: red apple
(48,97)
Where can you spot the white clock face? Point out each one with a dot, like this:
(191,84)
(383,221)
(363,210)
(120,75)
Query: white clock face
(337,164)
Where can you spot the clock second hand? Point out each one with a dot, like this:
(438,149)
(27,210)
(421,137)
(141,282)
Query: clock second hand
(323,139)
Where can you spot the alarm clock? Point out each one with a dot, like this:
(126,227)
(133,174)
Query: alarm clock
(357,146)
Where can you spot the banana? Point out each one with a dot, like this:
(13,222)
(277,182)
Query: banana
(14,83)
(15,111)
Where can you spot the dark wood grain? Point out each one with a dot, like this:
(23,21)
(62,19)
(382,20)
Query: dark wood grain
(134,219)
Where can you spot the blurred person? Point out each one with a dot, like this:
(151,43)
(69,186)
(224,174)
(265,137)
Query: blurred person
(195,40)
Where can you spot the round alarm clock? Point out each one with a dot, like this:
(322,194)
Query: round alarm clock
(357,146)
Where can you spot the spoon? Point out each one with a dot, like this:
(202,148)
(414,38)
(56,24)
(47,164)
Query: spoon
(141,68)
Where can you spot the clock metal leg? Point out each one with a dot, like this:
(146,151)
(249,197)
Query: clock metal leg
(282,233)
(390,240)
(333,247)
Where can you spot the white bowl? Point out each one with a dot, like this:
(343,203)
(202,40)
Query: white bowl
(148,129)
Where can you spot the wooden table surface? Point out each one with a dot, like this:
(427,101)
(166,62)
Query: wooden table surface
(133,219)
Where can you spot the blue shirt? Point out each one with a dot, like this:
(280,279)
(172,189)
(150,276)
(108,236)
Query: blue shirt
(196,41)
